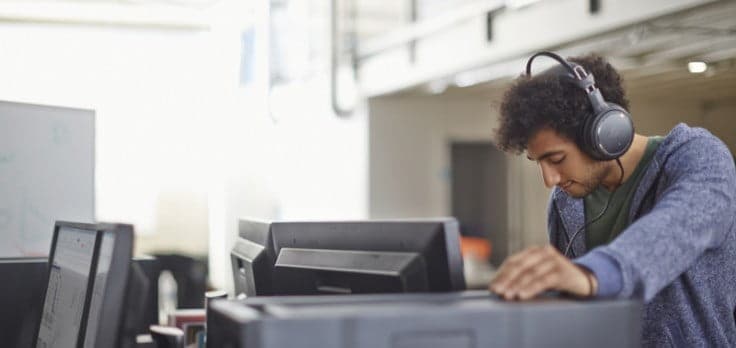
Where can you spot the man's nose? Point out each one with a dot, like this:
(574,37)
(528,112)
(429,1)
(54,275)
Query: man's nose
(550,175)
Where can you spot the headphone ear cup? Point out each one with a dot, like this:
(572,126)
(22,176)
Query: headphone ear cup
(608,134)
(586,141)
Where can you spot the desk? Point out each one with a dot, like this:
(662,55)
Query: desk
(458,320)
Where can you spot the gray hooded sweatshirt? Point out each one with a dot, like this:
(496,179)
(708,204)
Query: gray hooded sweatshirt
(678,254)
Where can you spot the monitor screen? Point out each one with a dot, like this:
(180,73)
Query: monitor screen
(311,258)
(66,292)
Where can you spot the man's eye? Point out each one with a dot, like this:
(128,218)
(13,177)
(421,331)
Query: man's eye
(558,161)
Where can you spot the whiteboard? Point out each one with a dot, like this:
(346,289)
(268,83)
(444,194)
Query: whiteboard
(47,162)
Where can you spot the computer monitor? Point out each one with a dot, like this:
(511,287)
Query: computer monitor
(85,293)
(21,299)
(354,257)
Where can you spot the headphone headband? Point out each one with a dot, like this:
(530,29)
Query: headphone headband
(552,55)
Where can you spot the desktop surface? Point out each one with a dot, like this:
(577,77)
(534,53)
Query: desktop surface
(461,319)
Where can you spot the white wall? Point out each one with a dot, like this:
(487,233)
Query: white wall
(183,148)
(151,91)
(409,151)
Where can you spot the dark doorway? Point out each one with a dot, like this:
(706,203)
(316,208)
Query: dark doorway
(479,194)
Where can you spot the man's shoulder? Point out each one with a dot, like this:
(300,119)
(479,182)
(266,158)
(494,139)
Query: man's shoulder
(685,143)
(696,156)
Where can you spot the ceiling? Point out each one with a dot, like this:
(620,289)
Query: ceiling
(652,57)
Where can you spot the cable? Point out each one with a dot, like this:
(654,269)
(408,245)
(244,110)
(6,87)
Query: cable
(608,201)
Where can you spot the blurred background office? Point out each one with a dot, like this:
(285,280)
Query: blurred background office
(212,110)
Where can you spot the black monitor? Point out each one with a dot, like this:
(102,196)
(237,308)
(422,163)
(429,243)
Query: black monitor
(87,280)
(358,257)
(21,299)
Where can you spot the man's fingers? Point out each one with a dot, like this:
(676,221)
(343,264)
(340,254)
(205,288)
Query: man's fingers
(533,275)
(548,281)
(514,261)
(518,265)
(535,280)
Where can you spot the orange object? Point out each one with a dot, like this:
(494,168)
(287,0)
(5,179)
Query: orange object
(480,247)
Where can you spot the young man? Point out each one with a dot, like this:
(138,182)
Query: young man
(656,223)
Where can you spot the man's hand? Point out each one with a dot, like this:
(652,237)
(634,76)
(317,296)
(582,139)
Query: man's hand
(532,271)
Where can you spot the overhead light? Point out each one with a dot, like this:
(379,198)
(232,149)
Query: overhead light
(697,67)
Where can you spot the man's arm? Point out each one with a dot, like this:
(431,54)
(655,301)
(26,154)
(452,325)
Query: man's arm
(693,215)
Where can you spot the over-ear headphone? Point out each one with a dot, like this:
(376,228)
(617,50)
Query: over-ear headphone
(605,134)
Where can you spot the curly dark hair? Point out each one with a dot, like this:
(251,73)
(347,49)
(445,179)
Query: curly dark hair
(547,100)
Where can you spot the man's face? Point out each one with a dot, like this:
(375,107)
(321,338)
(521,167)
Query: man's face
(563,164)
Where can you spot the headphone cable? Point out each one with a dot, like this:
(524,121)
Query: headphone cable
(608,201)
